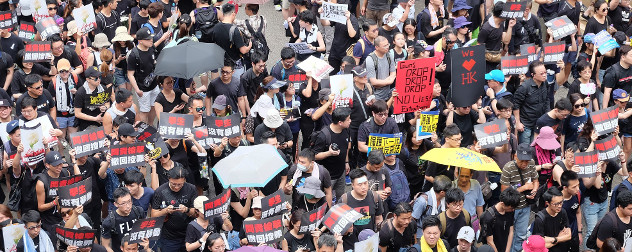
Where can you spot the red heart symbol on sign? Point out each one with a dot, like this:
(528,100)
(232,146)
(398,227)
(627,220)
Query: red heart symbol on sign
(468,64)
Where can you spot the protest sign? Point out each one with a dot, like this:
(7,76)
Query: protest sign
(297,79)
(311,220)
(553,52)
(514,65)
(427,124)
(74,237)
(39,10)
(287,113)
(340,218)
(148,228)
(47,27)
(319,68)
(175,126)
(84,16)
(156,147)
(608,148)
(88,142)
(468,75)
(587,162)
(369,245)
(55,183)
(220,127)
(264,230)
(34,149)
(513,10)
(201,135)
(300,48)
(414,83)
(46,127)
(128,155)
(273,204)
(218,204)
(491,134)
(605,120)
(38,51)
(342,87)
(11,234)
(173,21)
(27,31)
(530,50)
(605,42)
(77,194)
(390,144)
(561,27)
(334,12)
(6,19)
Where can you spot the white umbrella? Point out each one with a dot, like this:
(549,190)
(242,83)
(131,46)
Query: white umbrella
(249,166)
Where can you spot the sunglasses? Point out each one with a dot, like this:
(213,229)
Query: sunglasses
(64,71)
(52,8)
(447,41)
(38,87)
(604,9)
(200,109)
(64,214)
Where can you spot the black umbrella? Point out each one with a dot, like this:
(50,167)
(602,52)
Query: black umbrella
(189,59)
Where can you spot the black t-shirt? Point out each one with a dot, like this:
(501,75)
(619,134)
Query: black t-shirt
(498,226)
(250,83)
(341,40)
(163,175)
(389,35)
(571,206)
(466,125)
(12,45)
(232,91)
(393,240)
(45,102)
(368,207)
(334,164)
(142,63)
(308,102)
(620,231)
(618,77)
(193,234)
(70,56)
(184,154)
(20,245)
(175,226)
(434,170)
(115,227)
(137,22)
(6,62)
(491,36)
(423,25)
(107,25)
(600,195)
(620,17)
(546,120)
(90,170)
(305,205)
(452,228)
(293,244)
(378,180)
(124,7)
(323,176)
(18,85)
(221,33)
(551,226)
(167,105)
(593,26)
(359,110)
(89,106)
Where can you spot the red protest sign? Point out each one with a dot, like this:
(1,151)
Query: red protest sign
(587,162)
(340,218)
(311,220)
(74,237)
(264,230)
(217,205)
(415,79)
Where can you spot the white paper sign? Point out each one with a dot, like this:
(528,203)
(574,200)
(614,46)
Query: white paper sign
(11,235)
(34,150)
(334,12)
(45,125)
(342,88)
(319,68)
(84,16)
(368,245)
(39,10)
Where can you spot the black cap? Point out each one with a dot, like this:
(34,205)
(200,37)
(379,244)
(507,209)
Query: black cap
(4,103)
(12,126)
(143,34)
(127,129)
(54,158)
(525,152)
(93,72)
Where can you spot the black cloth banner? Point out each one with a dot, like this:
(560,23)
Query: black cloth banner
(553,52)
(587,162)
(38,51)
(468,75)
(77,194)
(128,155)
(514,65)
(146,228)
(491,134)
(340,218)
(605,120)
(173,126)
(312,219)
(75,237)
(217,205)
(88,142)
(264,230)
(273,204)
(608,148)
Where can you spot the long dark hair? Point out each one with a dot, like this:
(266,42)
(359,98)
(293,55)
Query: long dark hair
(118,49)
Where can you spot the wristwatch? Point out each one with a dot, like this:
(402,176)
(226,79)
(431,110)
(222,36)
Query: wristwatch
(554,240)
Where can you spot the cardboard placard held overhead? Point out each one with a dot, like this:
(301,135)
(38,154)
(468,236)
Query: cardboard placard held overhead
(334,12)
(77,194)
(27,31)
(415,80)
(608,149)
(128,155)
(514,65)
(46,27)
(84,16)
(217,205)
(155,146)
(38,51)
(342,88)
(75,237)
(605,120)
(55,183)
(587,162)
(201,135)
(273,204)
(491,134)
(226,126)
(531,50)
(427,124)
(553,52)
(561,27)
(88,142)
(300,48)
(264,230)
(6,20)
(146,229)
(175,126)
(468,75)
(513,10)
(390,144)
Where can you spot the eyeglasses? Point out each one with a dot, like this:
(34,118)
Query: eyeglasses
(227,72)
(558,204)
(447,41)
(604,9)
(456,139)
(34,227)
(176,184)
(382,114)
(126,203)
(38,87)
(200,109)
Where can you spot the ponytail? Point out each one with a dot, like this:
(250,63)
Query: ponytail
(106,59)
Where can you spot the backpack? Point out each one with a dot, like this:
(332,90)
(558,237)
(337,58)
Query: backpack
(259,43)
(615,193)
(350,49)
(400,191)
(483,235)
(149,79)
(444,223)
(591,242)
(314,136)
(151,28)
(375,59)
(205,20)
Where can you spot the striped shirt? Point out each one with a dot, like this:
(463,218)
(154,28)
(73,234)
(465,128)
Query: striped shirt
(511,177)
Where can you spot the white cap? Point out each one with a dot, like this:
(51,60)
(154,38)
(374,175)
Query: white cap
(466,233)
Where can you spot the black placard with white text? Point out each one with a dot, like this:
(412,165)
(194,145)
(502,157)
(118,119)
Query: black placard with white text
(267,230)
(491,134)
(175,126)
(340,218)
(553,52)
(273,204)
(561,27)
(587,162)
(514,65)
(312,219)
(468,75)
(75,237)
(88,142)
(128,155)
(513,10)
(605,120)
(217,205)
(38,51)
(77,194)
(146,228)
(608,148)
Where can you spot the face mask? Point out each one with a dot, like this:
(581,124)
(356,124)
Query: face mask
(309,196)
(301,167)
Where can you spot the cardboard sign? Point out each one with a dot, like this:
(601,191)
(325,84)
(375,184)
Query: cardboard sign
(264,230)
(75,237)
(513,10)
(77,194)
(468,75)
(300,48)
(553,52)
(605,120)
(605,42)
(427,124)
(608,148)
(146,229)
(311,220)
(369,245)
(88,142)
(561,27)
(514,65)
(287,113)
(414,83)
(319,68)
(220,127)
(342,87)
(273,204)
(26,31)
(34,149)
(6,20)
(297,79)
(531,50)
(390,144)
(54,184)
(201,136)
(11,235)
(39,10)
(84,16)
(217,205)
(340,218)
(491,134)
(156,147)
(587,162)
(175,126)
(334,12)
(46,127)
(38,51)
(47,26)
(128,155)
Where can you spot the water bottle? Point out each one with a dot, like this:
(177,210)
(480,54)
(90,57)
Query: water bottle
(204,173)
(173,8)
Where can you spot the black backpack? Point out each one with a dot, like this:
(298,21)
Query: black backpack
(205,20)
(591,242)
(259,43)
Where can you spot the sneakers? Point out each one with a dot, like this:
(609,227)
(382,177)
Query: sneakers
(347,180)
(277,7)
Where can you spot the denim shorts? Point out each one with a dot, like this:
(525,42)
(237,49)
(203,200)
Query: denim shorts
(65,122)
(120,77)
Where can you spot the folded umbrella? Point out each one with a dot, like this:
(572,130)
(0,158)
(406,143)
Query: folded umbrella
(461,157)
(189,59)
(249,166)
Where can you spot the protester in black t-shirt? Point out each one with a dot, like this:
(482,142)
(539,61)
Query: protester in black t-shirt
(43,98)
(555,117)
(552,222)
(344,36)
(570,192)
(466,118)
(140,64)
(331,147)
(108,19)
(616,77)
(295,241)
(622,229)
(493,34)
(251,79)
(380,123)
(201,228)
(233,43)
(139,18)
(363,200)
(377,174)
(60,51)
(398,232)
(497,221)
(455,216)
(6,64)
(301,174)
(91,100)
(119,222)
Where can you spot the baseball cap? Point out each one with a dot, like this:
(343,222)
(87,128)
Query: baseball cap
(198,203)
(524,151)
(92,72)
(389,20)
(12,126)
(143,34)
(54,158)
(63,64)
(5,103)
(588,37)
(621,95)
(496,75)
(219,103)
(127,129)
(359,71)
(466,233)
(323,94)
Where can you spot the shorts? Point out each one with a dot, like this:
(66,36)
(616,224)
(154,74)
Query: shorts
(120,77)
(146,102)
(627,135)
(65,122)
(570,57)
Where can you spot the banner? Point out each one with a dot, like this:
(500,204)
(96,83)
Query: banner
(39,11)
(587,162)
(340,218)
(390,144)
(88,142)
(47,26)
(514,65)
(26,31)
(38,51)
(319,68)
(608,148)
(175,126)
(297,79)
(6,20)
(217,205)
(128,155)
(201,135)
(530,50)
(334,12)
(84,16)
(414,83)
(342,87)
(513,10)
(369,245)
(34,149)
(605,42)
(146,229)
(273,204)
(54,184)
(468,75)
(553,52)
(491,134)
(11,235)
(74,237)
(605,120)
(156,147)
(77,194)
(561,27)
(427,124)
(220,127)
(300,48)
(264,230)
(311,220)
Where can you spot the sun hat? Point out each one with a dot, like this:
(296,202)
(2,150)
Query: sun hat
(547,139)
(121,35)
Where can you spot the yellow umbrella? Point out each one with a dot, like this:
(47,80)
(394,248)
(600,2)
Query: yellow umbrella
(461,157)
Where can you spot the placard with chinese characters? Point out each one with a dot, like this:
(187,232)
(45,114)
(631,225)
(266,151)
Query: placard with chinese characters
(491,134)
(390,144)
(587,162)
(605,120)
(273,204)
(311,220)
(74,237)
(88,142)
(146,229)
(340,218)
(427,124)
(264,230)
(128,155)
(217,205)
(77,194)
(175,126)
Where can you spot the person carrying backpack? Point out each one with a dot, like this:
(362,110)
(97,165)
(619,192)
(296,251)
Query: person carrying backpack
(254,28)
(399,183)
(432,202)
(205,18)
(626,185)
(155,26)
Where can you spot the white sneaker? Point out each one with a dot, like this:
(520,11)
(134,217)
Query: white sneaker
(277,7)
